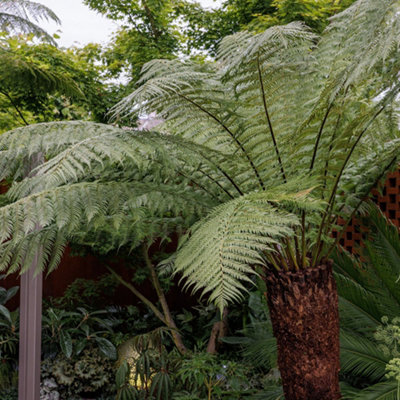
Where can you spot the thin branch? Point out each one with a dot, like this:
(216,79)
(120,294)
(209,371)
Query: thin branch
(231,134)
(269,120)
(15,106)
(163,301)
(139,295)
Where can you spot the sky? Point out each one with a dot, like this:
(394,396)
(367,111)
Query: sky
(80,25)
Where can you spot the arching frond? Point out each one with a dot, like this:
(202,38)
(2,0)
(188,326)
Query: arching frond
(47,219)
(359,311)
(224,247)
(16,16)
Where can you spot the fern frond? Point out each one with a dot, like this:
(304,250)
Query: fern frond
(359,311)
(46,220)
(16,16)
(223,247)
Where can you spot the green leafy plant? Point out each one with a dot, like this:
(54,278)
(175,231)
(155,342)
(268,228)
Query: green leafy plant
(72,332)
(9,339)
(86,293)
(368,300)
(146,367)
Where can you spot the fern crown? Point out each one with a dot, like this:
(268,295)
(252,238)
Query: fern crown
(266,148)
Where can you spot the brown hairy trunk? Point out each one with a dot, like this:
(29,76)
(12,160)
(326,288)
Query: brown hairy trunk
(305,319)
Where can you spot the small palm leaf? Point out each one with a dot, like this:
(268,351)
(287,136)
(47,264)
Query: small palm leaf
(381,391)
(361,357)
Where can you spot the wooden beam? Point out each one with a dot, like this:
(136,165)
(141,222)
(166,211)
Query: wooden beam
(30,339)
(30,334)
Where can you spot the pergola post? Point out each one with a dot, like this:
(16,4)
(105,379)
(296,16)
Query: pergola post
(30,334)
(30,338)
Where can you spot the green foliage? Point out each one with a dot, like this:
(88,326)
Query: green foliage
(70,333)
(206,376)
(285,108)
(148,31)
(367,303)
(9,394)
(86,293)
(389,336)
(9,339)
(206,28)
(39,82)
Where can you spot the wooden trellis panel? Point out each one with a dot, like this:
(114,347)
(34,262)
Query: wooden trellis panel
(388,201)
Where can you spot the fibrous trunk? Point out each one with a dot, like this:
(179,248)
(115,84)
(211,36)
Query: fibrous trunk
(305,319)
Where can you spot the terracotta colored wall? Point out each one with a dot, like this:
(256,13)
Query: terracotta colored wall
(89,267)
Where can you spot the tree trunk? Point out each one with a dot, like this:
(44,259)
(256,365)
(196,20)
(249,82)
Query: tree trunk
(305,319)
(169,320)
(218,331)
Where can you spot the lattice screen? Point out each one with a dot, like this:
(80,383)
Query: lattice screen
(389,203)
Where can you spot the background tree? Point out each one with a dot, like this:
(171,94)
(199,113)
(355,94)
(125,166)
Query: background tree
(40,82)
(206,28)
(148,31)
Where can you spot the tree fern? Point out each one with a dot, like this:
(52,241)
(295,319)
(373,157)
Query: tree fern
(287,105)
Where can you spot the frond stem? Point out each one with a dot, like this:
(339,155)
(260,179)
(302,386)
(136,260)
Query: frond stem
(314,156)
(15,106)
(231,134)
(272,260)
(216,182)
(329,153)
(303,239)
(331,201)
(197,184)
(281,258)
(269,119)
